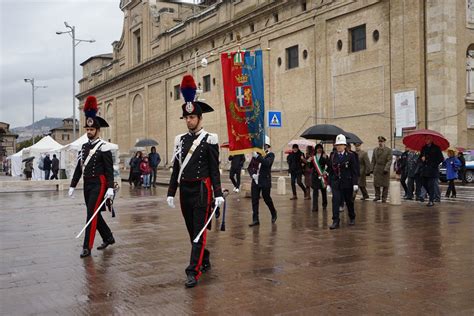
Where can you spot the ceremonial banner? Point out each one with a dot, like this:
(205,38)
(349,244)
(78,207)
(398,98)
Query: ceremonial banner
(242,74)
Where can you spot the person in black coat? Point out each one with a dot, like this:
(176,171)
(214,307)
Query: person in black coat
(47,166)
(236,164)
(295,167)
(54,167)
(403,164)
(430,156)
(319,163)
(343,179)
(260,169)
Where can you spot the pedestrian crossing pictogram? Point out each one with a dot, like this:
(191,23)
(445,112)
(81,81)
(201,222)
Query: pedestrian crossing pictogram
(274,119)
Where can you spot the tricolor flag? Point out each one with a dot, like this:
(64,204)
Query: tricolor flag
(242,74)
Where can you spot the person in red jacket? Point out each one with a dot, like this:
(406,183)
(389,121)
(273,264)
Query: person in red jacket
(146,172)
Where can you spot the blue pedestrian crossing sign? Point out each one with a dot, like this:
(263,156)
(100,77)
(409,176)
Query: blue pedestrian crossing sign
(274,118)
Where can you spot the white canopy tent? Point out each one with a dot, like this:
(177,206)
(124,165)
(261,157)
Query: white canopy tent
(46,145)
(16,165)
(69,155)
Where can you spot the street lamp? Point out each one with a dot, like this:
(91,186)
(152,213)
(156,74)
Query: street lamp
(75,42)
(203,65)
(33,88)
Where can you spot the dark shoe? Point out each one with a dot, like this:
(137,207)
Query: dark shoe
(206,266)
(294,197)
(104,245)
(154,185)
(363,198)
(352,222)
(190,281)
(376,199)
(254,223)
(85,253)
(453,196)
(274,218)
(314,210)
(409,198)
(335,225)
(430,203)
(438,200)
(384,201)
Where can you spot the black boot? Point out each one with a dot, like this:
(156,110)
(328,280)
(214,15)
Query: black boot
(335,225)
(352,222)
(85,253)
(107,242)
(190,281)
(254,223)
(274,218)
(206,266)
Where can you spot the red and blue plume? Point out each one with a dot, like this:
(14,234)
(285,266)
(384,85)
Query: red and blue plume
(188,88)
(90,107)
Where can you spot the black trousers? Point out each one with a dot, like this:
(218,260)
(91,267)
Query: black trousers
(451,188)
(94,191)
(403,180)
(411,187)
(296,177)
(338,197)
(153,175)
(55,175)
(316,188)
(234,175)
(255,192)
(429,184)
(195,198)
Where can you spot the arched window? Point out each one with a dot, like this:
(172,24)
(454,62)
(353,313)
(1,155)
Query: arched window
(470,70)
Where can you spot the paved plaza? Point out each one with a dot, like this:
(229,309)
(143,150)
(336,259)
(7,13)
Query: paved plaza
(401,260)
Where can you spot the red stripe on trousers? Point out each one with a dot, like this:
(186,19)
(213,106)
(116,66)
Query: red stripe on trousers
(97,203)
(201,255)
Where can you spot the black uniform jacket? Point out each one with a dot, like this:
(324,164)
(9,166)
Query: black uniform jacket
(433,157)
(204,162)
(343,170)
(237,161)
(265,172)
(101,163)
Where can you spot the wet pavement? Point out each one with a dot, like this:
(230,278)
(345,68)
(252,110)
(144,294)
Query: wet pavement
(406,259)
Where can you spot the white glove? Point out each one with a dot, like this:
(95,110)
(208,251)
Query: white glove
(255,178)
(170,201)
(109,194)
(254,154)
(219,201)
(356,188)
(71,191)
(328,189)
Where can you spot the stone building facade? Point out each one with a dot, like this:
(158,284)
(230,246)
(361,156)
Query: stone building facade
(64,134)
(325,61)
(7,143)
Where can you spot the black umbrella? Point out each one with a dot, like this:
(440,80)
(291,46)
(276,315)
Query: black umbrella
(397,152)
(146,142)
(352,138)
(28,159)
(322,132)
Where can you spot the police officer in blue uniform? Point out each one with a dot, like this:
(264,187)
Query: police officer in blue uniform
(343,180)
(196,173)
(95,164)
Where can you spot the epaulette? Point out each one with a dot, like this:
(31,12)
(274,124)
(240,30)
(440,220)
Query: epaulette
(212,139)
(106,147)
(177,139)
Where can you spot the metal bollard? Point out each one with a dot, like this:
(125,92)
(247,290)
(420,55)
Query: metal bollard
(394,189)
(281,186)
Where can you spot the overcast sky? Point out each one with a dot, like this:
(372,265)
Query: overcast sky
(30,48)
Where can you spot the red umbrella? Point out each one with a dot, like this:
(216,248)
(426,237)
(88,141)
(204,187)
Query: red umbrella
(417,139)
